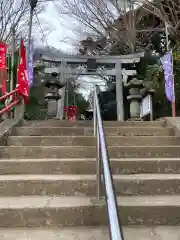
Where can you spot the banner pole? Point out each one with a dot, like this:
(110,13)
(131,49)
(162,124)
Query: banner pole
(173,104)
(13,45)
(174,109)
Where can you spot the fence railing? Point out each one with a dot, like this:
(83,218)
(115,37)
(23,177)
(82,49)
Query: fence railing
(103,162)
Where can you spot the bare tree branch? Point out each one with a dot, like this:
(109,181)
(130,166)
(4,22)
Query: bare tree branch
(94,15)
(113,24)
(15,14)
(168,11)
(106,21)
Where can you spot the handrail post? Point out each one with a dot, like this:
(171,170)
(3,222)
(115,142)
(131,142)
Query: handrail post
(98,168)
(94,109)
(98,156)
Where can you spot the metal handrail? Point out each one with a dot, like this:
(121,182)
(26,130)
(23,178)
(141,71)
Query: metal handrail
(9,104)
(103,158)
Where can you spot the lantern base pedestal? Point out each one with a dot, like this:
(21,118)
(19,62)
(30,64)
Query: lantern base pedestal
(52,108)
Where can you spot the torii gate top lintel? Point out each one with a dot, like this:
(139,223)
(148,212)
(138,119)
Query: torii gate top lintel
(129,58)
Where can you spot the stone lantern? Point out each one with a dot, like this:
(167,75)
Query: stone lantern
(134,97)
(54,84)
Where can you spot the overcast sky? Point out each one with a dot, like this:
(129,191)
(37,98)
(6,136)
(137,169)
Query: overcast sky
(61,37)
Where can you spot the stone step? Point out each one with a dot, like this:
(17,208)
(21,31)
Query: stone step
(91,233)
(63,123)
(48,211)
(110,131)
(91,141)
(88,166)
(85,185)
(89,152)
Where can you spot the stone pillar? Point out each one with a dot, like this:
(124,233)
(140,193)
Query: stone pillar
(119,92)
(61,102)
(134,98)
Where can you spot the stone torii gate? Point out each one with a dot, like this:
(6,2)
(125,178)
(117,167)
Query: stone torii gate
(67,66)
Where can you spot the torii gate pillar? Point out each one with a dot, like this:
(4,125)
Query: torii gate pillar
(119,92)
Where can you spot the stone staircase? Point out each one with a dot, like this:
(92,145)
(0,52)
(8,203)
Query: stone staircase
(47,181)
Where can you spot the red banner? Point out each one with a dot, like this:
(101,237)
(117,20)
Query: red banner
(3,66)
(22,73)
